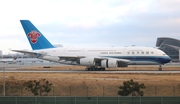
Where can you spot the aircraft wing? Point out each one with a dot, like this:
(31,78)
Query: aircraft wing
(23,51)
(35,54)
(74,59)
(96,58)
(70,57)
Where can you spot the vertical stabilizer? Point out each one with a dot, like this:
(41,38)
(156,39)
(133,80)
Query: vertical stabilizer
(35,37)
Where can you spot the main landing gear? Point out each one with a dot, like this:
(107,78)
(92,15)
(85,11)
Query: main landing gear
(160,68)
(94,69)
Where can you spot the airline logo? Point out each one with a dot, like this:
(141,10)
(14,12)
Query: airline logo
(34,35)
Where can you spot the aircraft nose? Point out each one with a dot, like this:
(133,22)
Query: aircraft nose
(168,59)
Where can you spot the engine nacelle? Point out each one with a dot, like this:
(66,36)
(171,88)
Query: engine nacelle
(109,63)
(87,62)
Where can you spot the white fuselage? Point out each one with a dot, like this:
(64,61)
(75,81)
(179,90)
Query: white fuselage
(136,55)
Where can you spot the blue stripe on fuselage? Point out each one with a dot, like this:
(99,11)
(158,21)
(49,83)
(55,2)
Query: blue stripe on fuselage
(155,59)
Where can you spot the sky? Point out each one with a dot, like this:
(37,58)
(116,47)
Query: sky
(90,23)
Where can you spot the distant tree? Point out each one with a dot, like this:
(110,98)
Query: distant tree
(38,87)
(131,87)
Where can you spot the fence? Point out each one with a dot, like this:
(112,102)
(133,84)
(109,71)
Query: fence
(100,90)
(89,100)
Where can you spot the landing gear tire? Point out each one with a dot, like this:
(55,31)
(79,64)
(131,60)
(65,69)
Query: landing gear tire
(95,69)
(101,69)
(160,69)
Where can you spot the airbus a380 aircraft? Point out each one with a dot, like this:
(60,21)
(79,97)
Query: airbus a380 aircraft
(93,58)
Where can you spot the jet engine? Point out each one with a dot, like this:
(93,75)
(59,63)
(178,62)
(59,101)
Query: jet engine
(111,63)
(87,61)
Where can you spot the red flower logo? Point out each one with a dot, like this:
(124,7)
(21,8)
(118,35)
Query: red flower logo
(33,35)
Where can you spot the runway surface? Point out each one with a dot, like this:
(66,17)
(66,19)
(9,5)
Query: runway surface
(80,71)
(14,68)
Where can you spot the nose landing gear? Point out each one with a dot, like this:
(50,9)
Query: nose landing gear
(160,68)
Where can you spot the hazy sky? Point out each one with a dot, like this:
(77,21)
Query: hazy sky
(90,23)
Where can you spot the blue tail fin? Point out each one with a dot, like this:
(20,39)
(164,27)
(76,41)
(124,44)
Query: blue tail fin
(35,37)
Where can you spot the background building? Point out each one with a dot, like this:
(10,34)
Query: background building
(170,46)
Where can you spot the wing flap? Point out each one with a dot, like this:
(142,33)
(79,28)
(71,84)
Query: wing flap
(76,57)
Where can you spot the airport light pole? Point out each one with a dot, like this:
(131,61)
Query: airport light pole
(4,93)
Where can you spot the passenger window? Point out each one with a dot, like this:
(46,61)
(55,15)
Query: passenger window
(128,52)
(147,52)
(142,52)
(132,52)
(152,52)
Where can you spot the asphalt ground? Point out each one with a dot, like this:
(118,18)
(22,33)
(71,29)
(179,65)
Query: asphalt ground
(15,68)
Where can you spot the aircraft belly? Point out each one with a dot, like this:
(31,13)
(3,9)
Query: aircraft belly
(143,63)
